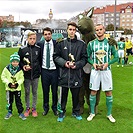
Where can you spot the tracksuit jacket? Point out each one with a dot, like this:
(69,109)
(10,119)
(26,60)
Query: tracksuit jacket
(34,55)
(70,77)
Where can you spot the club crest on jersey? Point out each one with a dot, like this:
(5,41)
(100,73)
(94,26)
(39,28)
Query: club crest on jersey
(27,53)
(65,47)
(36,52)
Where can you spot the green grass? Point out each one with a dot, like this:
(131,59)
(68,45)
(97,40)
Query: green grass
(122,108)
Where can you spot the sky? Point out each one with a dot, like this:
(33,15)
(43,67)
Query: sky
(31,10)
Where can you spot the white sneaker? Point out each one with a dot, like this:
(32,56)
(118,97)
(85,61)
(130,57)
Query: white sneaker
(110,117)
(90,117)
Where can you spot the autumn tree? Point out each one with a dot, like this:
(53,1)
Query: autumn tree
(128,31)
(5,24)
(110,27)
(1,23)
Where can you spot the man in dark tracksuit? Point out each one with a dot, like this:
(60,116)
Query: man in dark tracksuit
(71,56)
(49,73)
(31,70)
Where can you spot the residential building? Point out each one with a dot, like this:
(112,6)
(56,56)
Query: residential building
(98,16)
(9,18)
(123,16)
(126,15)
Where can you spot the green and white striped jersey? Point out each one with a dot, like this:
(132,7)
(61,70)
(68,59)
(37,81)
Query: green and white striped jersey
(121,45)
(104,50)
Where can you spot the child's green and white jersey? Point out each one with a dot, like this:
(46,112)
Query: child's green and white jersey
(102,49)
(121,45)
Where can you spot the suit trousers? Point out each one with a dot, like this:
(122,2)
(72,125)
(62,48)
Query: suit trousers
(49,78)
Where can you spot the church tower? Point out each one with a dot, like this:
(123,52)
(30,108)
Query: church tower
(50,14)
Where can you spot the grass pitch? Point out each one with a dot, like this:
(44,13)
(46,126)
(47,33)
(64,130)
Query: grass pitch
(122,108)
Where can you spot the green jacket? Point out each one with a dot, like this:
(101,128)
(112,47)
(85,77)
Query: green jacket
(6,78)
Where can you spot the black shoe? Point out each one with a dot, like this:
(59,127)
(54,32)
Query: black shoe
(45,113)
(55,113)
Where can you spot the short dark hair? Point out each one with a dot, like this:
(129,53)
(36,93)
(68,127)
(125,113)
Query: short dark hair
(73,24)
(121,38)
(47,29)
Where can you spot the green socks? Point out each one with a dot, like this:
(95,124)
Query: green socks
(92,103)
(109,100)
(122,61)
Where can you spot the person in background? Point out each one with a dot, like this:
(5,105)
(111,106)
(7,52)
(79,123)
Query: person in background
(71,56)
(30,63)
(121,48)
(13,77)
(128,48)
(49,72)
(99,52)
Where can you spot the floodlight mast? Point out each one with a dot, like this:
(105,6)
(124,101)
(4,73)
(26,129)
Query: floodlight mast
(115,19)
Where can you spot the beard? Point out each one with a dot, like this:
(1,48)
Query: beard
(48,39)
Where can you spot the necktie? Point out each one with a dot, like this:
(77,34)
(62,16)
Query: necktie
(47,56)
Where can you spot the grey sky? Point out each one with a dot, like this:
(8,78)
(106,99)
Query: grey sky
(35,9)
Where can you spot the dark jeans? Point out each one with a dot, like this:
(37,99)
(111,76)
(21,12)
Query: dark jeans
(49,78)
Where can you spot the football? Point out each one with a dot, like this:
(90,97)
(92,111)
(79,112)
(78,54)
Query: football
(130,63)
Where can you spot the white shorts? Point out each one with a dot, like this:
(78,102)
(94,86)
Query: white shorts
(103,77)
(121,53)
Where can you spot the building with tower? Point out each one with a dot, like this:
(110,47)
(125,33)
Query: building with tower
(50,14)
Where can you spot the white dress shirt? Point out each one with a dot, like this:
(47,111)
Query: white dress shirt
(51,47)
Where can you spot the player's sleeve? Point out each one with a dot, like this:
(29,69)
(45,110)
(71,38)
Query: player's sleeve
(114,52)
(89,52)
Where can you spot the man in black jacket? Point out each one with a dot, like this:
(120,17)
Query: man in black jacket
(49,73)
(30,63)
(71,56)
